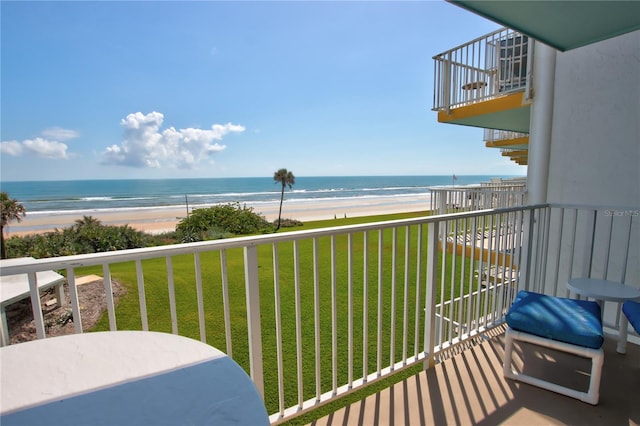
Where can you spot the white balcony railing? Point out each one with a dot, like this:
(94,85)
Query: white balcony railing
(493,135)
(489,195)
(376,298)
(489,66)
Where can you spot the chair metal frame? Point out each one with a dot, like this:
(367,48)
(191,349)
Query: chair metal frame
(591,396)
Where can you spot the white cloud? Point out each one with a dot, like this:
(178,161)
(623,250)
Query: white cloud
(45,148)
(48,146)
(144,145)
(13,148)
(39,147)
(59,134)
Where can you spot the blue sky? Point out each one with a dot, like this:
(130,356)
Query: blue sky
(102,90)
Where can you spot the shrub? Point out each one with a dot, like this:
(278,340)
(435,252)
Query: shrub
(86,236)
(221,221)
(288,223)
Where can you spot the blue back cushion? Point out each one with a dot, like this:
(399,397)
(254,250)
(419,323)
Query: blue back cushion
(566,320)
(632,310)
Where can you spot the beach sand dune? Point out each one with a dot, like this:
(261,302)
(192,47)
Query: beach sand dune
(162,219)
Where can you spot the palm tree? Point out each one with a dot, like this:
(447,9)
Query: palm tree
(88,222)
(286,178)
(11,210)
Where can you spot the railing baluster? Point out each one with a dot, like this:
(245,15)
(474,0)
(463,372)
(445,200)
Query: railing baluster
(513,250)
(350,310)
(574,230)
(75,303)
(558,251)
(606,257)
(501,264)
(108,291)
(485,254)
(394,272)
(226,306)
(34,293)
(431,293)
(296,273)
(446,83)
(518,253)
(438,93)
(537,253)
(451,313)
(278,319)
(491,264)
(545,247)
(200,297)
(419,254)
(623,268)
(252,289)
(463,298)
(473,280)
(172,295)
(443,277)
(380,301)
(365,307)
(316,311)
(141,296)
(405,309)
(334,317)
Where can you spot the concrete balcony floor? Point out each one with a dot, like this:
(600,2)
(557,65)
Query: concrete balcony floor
(468,388)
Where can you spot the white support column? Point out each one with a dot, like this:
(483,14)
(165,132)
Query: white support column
(544,69)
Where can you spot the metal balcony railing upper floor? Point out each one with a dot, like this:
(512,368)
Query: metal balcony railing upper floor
(482,69)
(314,315)
(496,194)
(492,135)
(507,183)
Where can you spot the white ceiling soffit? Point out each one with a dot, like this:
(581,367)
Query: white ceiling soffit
(563,24)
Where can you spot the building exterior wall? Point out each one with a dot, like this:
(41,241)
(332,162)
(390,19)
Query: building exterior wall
(594,159)
(595,143)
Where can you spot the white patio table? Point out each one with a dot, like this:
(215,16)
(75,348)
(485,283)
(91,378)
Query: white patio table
(602,291)
(125,378)
(16,287)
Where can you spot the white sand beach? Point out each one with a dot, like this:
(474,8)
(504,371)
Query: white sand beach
(163,219)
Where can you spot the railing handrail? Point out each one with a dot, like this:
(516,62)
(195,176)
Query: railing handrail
(497,187)
(92,259)
(591,207)
(475,40)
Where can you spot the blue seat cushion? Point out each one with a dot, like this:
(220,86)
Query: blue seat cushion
(566,320)
(632,310)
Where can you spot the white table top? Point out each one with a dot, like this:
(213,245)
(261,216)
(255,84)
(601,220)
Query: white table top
(16,287)
(603,289)
(124,378)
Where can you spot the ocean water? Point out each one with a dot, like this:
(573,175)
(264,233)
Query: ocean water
(99,195)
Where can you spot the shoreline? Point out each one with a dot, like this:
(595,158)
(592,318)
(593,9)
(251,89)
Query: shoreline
(164,219)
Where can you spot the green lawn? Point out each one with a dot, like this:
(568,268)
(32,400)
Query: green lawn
(157,297)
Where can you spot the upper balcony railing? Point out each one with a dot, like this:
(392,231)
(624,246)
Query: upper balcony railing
(484,68)
(492,135)
(496,194)
(313,315)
